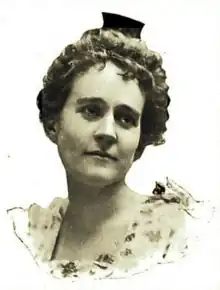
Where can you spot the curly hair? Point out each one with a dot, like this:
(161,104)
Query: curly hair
(97,46)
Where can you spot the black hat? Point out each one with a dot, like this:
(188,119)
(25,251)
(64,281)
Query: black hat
(127,26)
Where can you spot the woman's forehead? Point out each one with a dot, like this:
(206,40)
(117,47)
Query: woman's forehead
(108,85)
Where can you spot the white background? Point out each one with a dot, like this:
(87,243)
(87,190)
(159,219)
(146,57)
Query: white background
(185,33)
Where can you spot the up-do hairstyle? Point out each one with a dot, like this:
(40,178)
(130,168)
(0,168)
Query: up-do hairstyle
(124,48)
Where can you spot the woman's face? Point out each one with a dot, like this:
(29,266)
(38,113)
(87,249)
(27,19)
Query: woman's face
(102,114)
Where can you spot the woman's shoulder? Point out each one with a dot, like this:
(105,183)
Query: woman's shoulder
(37,227)
(173,210)
(58,205)
(170,192)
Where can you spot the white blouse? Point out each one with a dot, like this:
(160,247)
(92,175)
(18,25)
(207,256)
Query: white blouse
(168,224)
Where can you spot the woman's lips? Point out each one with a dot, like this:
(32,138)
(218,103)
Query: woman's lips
(102,155)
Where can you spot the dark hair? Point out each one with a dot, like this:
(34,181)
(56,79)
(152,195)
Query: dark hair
(132,56)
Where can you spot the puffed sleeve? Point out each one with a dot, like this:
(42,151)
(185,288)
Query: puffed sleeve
(19,218)
(194,217)
(169,225)
(38,227)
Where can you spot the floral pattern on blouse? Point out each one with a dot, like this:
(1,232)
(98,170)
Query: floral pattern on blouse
(168,224)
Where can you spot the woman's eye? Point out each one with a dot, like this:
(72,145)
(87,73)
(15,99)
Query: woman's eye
(127,121)
(91,111)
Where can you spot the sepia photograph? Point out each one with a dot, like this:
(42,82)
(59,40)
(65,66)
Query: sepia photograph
(110,165)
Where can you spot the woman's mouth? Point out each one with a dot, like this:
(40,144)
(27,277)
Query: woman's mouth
(101,155)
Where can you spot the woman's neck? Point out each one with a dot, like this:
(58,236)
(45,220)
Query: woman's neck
(93,213)
(98,203)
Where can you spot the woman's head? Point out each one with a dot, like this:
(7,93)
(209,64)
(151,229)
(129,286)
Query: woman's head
(102,113)
(118,69)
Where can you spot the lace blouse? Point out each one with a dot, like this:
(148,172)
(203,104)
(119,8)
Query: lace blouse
(168,224)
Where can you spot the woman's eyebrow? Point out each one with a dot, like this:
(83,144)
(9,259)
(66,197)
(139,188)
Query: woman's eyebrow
(98,100)
(124,107)
(89,100)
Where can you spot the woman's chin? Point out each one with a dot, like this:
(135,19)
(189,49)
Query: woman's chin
(99,177)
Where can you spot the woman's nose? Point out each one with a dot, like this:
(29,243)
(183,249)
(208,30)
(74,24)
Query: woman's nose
(105,135)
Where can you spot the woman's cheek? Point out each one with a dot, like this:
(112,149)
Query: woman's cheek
(131,141)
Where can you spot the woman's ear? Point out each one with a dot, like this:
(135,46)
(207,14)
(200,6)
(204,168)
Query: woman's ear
(51,130)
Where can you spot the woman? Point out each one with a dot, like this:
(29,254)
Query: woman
(104,99)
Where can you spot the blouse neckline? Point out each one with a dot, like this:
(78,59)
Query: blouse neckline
(38,228)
